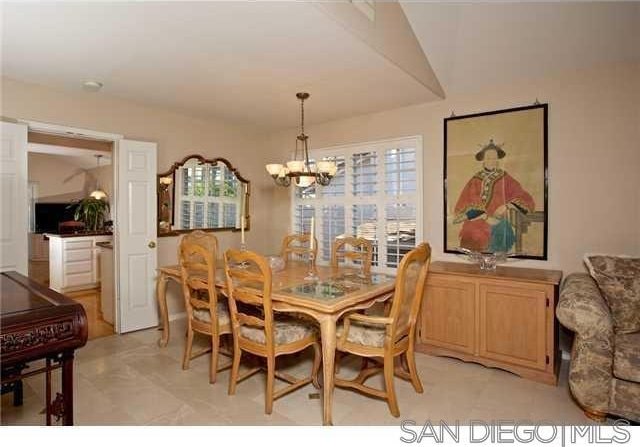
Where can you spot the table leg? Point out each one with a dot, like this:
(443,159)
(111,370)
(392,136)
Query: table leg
(161,296)
(47,393)
(67,387)
(17,393)
(328,334)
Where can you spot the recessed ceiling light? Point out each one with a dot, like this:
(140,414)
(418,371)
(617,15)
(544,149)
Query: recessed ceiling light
(92,86)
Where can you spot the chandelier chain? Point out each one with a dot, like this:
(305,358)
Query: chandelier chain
(302,116)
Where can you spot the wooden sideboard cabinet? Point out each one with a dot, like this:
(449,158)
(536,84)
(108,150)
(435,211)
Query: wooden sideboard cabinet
(503,319)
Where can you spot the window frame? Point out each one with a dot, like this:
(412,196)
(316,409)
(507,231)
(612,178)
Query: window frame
(380,199)
(206,199)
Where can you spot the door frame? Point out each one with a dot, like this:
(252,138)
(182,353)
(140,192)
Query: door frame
(115,139)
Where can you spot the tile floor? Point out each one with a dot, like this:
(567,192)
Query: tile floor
(129,380)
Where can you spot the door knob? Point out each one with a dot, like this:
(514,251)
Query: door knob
(152,244)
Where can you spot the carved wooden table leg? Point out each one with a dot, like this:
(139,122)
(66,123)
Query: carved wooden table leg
(328,335)
(18,393)
(67,387)
(161,296)
(47,396)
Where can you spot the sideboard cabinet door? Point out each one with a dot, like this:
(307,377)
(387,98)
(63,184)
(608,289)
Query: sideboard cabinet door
(513,324)
(448,314)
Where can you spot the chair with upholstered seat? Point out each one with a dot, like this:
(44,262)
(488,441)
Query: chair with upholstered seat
(298,246)
(389,336)
(207,312)
(350,249)
(256,330)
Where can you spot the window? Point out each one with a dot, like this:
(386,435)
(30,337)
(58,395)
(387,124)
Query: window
(376,194)
(208,196)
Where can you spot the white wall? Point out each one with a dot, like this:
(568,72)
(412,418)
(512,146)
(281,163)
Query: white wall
(177,135)
(594,154)
(57,179)
(594,157)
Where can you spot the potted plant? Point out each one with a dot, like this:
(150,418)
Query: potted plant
(91,211)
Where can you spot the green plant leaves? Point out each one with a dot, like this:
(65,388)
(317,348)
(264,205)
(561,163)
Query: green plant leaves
(91,211)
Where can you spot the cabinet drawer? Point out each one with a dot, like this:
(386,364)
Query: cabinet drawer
(78,267)
(74,245)
(77,255)
(78,279)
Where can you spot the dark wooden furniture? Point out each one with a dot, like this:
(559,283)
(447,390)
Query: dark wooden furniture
(38,323)
(504,318)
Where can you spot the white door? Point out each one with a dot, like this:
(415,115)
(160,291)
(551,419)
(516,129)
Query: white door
(14,205)
(136,252)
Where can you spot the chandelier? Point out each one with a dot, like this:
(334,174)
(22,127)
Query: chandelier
(302,172)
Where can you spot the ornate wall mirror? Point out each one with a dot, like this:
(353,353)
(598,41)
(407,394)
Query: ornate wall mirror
(203,194)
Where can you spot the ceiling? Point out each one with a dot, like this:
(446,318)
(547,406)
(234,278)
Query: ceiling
(244,61)
(474,45)
(79,158)
(241,61)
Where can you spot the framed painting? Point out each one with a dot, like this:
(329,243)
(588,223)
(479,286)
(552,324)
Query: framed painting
(495,182)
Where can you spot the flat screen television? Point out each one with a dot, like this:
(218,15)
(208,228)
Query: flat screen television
(49,215)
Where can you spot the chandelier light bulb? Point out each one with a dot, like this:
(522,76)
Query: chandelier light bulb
(274,168)
(304,182)
(295,166)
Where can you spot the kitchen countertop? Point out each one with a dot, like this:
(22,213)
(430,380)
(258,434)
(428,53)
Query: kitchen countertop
(96,233)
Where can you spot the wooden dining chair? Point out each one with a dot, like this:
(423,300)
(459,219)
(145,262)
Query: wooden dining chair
(387,337)
(207,312)
(298,245)
(352,249)
(260,332)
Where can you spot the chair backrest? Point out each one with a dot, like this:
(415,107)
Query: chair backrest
(202,238)
(410,283)
(352,249)
(197,254)
(250,286)
(298,245)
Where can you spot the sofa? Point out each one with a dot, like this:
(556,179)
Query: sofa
(604,374)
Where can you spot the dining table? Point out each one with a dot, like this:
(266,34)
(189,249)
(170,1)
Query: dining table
(334,292)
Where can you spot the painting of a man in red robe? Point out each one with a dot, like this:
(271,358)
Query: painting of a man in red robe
(484,203)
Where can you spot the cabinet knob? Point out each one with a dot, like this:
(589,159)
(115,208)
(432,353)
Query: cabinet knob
(152,244)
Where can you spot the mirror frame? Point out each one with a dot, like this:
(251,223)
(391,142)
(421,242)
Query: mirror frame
(202,160)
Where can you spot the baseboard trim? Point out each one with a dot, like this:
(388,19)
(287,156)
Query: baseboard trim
(548,376)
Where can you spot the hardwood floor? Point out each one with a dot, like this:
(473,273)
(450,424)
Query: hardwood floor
(90,300)
(39,271)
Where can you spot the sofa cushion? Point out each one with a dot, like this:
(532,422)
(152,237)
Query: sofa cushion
(625,399)
(619,280)
(626,357)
